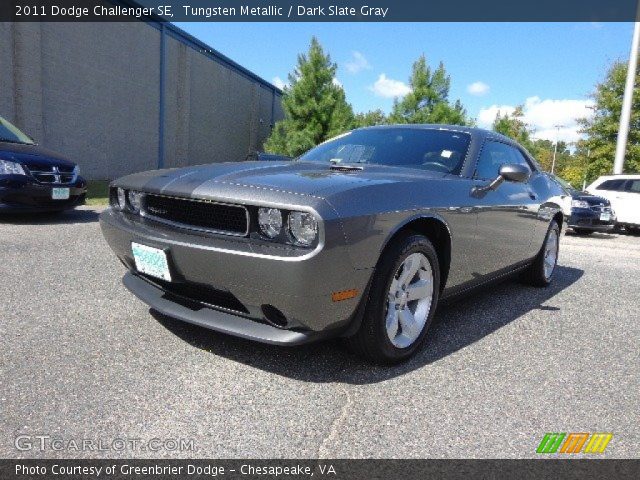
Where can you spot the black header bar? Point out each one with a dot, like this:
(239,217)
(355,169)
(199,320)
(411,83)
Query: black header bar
(320,10)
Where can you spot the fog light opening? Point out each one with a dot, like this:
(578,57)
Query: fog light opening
(274,316)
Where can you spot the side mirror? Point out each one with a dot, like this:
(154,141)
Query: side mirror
(513,172)
(510,172)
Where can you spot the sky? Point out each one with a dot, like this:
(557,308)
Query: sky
(550,68)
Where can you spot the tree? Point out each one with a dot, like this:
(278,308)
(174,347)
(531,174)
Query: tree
(374,117)
(514,126)
(602,129)
(315,108)
(428,100)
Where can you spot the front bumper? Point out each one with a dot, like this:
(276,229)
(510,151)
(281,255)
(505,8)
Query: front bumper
(590,220)
(22,194)
(298,284)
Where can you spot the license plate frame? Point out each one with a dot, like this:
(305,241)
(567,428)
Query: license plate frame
(605,217)
(151,261)
(60,193)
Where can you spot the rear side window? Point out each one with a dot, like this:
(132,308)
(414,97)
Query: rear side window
(612,185)
(633,186)
(493,156)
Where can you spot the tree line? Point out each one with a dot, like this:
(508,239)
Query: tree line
(316,109)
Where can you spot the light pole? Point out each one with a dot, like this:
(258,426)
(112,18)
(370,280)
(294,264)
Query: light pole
(555,149)
(625,114)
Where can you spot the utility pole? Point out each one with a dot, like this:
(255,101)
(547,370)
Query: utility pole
(555,149)
(625,115)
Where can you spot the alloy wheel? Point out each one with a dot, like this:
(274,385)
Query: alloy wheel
(409,300)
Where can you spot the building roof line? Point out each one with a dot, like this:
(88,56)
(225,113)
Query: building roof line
(198,45)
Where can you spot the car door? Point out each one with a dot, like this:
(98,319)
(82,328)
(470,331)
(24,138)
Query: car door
(628,200)
(506,216)
(613,190)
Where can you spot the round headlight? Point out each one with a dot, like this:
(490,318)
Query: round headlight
(270,221)
(304,227)
(122,198)
(135,201)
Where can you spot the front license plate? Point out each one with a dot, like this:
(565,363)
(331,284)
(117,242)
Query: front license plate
(60,194)
(151,261)
(605,217)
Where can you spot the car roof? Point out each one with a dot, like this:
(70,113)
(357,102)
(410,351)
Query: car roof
(620,176)
(441,126)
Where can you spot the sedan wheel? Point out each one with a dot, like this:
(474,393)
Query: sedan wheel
(402,299)
(409,300)
(551,253)
(540,273)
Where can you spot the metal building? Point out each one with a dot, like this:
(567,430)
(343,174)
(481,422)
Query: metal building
(117,98)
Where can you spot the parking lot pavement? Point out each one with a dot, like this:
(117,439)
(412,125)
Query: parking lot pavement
(81,358)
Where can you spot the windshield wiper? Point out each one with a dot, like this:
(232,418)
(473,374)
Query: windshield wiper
(346,167)
(8,140)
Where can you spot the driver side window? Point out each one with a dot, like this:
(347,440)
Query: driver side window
(493,156)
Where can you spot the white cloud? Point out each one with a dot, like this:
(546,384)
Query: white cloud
(543,116)
(337,82)
(389,88)
(278,82)
(478,88)
(357,63)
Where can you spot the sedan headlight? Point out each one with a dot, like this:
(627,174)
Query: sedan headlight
(270,221)
(122,199)
(579,204)
(11,168)
(303,227)
(135,201)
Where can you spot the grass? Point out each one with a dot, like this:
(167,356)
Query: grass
(98,193)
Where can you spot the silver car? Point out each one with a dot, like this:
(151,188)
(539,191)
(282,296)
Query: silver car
(360,237)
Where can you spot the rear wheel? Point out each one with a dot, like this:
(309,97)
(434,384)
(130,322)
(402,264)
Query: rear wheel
(541,271)
(582,231)
(402,301)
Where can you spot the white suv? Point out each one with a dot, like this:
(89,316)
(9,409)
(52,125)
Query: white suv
(623,191)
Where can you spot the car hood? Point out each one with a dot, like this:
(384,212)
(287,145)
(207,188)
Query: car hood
(297,178)
(30,153)
(590,199)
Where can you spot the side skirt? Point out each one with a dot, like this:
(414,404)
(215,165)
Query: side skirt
(455,293)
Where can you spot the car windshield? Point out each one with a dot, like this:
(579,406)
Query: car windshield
(427,149)
(12,134)
(566,185)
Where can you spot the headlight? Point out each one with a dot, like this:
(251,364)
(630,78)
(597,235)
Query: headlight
(11,168)
(579,204)
(135,201)
(270,221)
(304,227)
(122,198)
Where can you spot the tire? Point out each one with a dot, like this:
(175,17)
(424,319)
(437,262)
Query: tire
(633,230)
(373,340)
(537,275)
(582,231)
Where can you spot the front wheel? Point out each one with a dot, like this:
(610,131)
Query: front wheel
(541,271)
(402,301)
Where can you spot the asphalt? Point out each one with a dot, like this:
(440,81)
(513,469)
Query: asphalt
(81,359)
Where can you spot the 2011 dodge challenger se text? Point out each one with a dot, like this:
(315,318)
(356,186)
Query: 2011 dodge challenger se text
(360,237)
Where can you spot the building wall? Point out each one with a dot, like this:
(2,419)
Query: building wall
(91,91)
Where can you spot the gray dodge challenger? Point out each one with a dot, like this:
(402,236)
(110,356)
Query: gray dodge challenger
(360,237)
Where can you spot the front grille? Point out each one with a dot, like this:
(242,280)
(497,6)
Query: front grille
(45,173)
(601,208)
(188,294)
(197,214)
